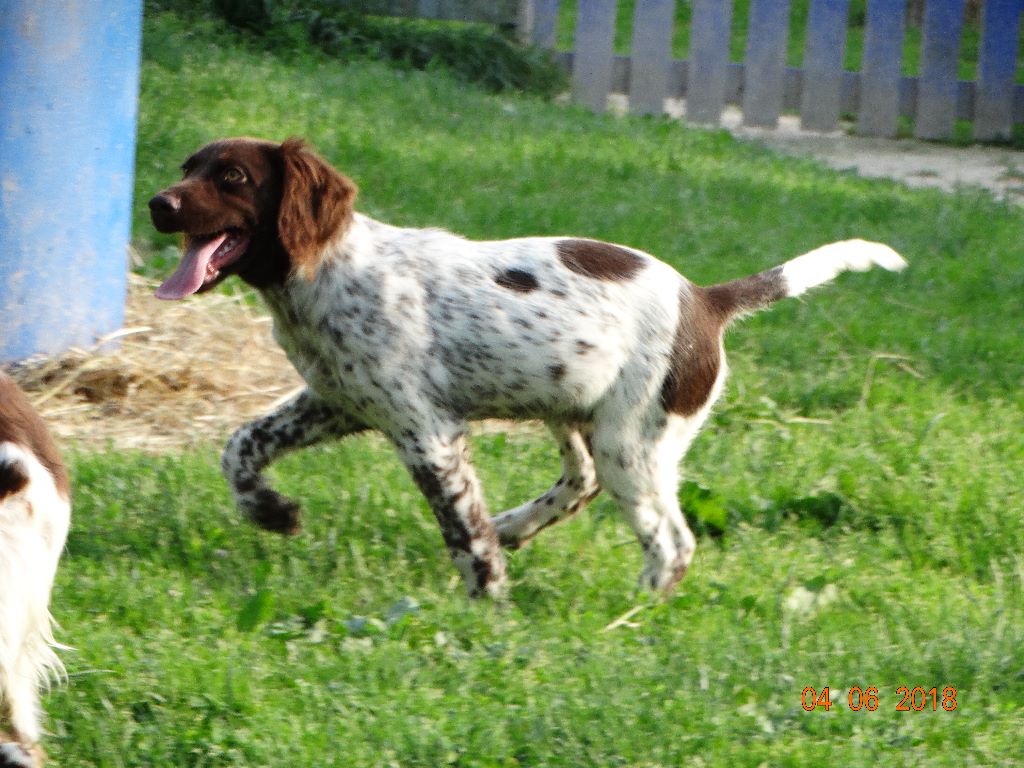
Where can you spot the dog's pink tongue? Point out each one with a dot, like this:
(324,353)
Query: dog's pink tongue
(191,272)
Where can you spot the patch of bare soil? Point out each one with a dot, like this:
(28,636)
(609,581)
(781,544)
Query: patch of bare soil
(178,374)
(999,170)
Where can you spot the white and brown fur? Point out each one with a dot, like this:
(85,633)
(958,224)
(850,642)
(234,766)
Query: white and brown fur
(35,512)
(413,332)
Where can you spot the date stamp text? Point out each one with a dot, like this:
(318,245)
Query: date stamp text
(906,699)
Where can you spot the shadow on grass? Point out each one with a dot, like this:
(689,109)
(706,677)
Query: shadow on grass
(712,516)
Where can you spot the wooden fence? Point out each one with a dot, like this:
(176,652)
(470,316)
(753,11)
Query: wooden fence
(821,90)
(762,85)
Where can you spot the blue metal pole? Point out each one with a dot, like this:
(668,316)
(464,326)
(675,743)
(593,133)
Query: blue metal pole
(69,76)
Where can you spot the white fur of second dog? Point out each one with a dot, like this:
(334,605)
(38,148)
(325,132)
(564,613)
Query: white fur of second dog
(34,524)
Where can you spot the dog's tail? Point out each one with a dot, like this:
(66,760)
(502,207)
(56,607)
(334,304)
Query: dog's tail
(749,294)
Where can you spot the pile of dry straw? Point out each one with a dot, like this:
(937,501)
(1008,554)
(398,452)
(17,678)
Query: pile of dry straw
(178,374)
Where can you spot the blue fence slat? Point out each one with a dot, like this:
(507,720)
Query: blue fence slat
(651,55)
(940,52)
(708,74)
(69,78)
(997,68)
(823,64)
(765,62)
(592,64)
(879,103)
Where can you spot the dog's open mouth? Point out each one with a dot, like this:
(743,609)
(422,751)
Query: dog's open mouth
(205,257)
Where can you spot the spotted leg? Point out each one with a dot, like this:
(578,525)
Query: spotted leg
(577,486)
(439,464)
(640,472)
(302,421)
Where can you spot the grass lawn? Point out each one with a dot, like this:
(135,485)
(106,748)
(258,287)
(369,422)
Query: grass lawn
(857,491)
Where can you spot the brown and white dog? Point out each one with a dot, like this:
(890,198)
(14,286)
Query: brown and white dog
(35,512)
(414,332)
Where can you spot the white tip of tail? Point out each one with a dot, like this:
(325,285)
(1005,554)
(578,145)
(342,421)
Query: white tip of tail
(827,262)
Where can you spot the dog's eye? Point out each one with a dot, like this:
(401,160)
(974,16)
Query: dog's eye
(233,176)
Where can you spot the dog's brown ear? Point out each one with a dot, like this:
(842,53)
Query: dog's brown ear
(316,204)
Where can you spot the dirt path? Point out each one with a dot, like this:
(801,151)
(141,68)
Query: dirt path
(915,163)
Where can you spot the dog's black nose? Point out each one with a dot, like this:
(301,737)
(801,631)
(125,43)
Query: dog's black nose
(164,203)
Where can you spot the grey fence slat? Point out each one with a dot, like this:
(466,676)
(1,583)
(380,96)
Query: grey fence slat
(940,51)
(908,96)
(545,23)
(651,54)
(428,9)
(965,95)
(620,74)
(792,85)
(1018,103)
(494,12)
(709,60)
(997,65)
(879,103)
(765,62)
(592,64)
(823,64)
(733,83)
(677,71)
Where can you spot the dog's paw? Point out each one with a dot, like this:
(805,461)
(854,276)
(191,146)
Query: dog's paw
(664,578)
(509,539)
(13,755)
(273,512)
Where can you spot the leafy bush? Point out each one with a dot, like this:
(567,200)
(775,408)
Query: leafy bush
(474,53)
(191,8)
(255,15)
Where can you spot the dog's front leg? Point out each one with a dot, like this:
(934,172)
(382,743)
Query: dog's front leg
(302,421)
(441,467)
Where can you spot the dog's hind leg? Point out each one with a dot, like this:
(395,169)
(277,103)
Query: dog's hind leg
(21,702)
(641,472)
(577,486)
(19,707)
(302,421)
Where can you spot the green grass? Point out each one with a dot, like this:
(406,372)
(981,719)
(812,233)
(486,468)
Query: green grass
(871,504)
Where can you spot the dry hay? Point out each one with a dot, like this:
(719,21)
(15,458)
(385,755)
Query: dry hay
(178,374)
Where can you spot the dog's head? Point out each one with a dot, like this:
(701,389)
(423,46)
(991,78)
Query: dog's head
(258,209)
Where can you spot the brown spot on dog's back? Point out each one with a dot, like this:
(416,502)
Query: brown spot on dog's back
(557,371)
(518,280)
(696,355)
(601,261)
